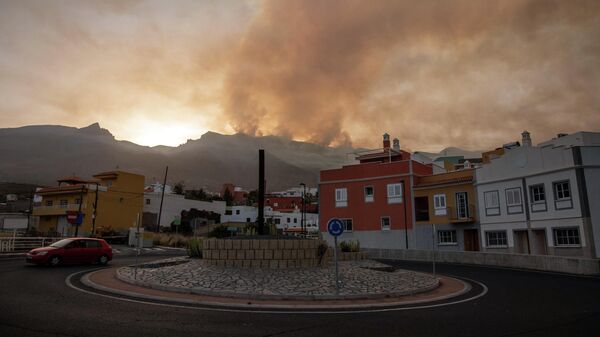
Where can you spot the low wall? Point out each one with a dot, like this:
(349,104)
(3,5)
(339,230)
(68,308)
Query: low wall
(571,265)
(256,253)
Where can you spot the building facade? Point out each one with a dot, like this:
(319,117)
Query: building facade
(446,212)
(173,205)
(113,198)
(540,199)
(373,198)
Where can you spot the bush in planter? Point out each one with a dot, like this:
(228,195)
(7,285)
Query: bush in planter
(350,246)
(194,248)
(219,232)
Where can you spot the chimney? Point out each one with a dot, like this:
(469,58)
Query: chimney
(386,141)
(396,144)
(467,164)
(526,141)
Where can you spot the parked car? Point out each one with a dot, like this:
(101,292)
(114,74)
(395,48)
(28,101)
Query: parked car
(72,250)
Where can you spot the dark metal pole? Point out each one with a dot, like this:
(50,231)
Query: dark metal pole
(31,196)
(405,217)
(261,191)
(95,211)
(79,211)
(162,197)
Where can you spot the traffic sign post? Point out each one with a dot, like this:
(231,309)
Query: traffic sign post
(335,227)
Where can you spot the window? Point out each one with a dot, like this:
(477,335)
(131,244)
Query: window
(492,203)
(237,212)
(227,212)
(91,244)
(369,194)
(394,193)
(147,201)
(562,190)
(64,203)
(288,220)
(422,208)
(247,219)
(385,223)
(439,204)
(275,204)
(295,220)
(277,221)
(513,201)
(49,203)
(496,239)
(462,205)
(537,193)
(566,237)
(447,238)
(341,197)
(347,225)
(77,201)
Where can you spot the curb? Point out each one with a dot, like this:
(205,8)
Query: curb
(251,305)
(12,255)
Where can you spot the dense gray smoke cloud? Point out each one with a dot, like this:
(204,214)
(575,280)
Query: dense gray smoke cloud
(471,73)
(467,73)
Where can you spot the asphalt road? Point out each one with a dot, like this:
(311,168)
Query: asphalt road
(35,301)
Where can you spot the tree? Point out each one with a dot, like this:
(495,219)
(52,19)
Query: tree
(179,188)
(228,197)
(252,198)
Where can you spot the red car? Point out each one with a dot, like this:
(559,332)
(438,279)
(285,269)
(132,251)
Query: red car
(73,250)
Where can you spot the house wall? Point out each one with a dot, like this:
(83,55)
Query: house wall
(173,204)
(590,156)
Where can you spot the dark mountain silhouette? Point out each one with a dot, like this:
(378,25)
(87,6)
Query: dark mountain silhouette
(40,154)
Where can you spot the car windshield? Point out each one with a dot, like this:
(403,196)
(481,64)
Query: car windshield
(61,243)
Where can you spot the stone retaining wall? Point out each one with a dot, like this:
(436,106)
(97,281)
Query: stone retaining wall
(571,265)
(256,253)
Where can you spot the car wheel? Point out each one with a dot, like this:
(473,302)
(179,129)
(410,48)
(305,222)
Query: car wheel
(54,261)
(103,260)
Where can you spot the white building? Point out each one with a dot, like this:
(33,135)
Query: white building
(282,220)
(173,204)
(536,199)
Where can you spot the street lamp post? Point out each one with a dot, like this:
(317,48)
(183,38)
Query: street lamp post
(303,209)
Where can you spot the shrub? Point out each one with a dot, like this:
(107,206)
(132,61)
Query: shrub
(350,246)
(219,232)
(194,247)
(171,240)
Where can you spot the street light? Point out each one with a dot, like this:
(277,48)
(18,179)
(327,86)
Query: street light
(303,210)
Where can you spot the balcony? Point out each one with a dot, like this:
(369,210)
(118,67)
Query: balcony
(460,217)
(56,209)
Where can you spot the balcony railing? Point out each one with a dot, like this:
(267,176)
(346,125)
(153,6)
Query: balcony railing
(68,207)
(453,216)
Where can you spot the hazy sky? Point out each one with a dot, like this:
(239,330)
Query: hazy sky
(471,73)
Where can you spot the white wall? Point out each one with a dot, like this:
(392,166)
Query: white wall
(173,204)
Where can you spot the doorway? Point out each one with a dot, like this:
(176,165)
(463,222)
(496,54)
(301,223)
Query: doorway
(522,242)
(539,246)
(471,240)
(462,208)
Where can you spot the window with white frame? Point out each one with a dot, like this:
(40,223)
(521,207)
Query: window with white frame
(64,203)
(496,239)
(369,194)
(49,203)
(447,237)
(537,193)
(492,203)
(341,197)
(347,225)
(439,204)
(385,223)
(514,203)
(513,197)
(394,193)
(562,190)
(567,237)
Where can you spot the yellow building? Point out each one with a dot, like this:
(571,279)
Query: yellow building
(118,197)
(446,200)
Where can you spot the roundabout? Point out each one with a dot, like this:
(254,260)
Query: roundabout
(289,291)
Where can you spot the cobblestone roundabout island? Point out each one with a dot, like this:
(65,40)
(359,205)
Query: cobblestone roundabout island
(361,279)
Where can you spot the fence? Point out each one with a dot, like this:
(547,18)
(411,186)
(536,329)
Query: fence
(19,244)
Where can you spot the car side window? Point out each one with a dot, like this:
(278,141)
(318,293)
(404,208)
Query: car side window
(91,244)
(73,244)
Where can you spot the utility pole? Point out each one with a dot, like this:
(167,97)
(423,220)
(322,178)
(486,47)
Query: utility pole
(31,196)
(261,192)
(303,210)
(162,197)
(79,211)
(95,212)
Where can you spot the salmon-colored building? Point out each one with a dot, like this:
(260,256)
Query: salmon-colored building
(373,198)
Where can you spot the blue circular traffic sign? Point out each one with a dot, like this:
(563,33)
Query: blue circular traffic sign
(335,227)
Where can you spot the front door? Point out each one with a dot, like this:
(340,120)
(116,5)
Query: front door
(471,240)
(539,242)
(62,226)
(521,242)
(462,209)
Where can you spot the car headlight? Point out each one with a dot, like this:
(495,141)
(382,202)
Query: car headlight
(42,253)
